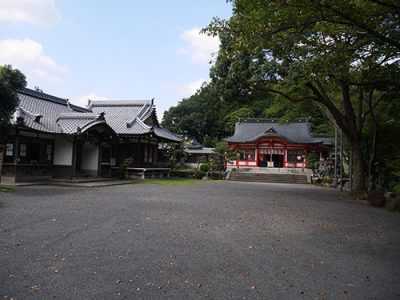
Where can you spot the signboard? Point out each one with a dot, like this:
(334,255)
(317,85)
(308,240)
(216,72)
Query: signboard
(271,151)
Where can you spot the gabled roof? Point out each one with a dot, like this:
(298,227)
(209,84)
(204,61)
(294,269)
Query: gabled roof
(252,129)
(132,118)
(202,151)
(47,113)
(193,144)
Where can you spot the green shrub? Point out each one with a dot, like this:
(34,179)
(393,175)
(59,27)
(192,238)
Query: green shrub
(204,168)
(327,180)
(312,160)
(198,174)
(393,204)
(121,172)
(396,189)
(376,199)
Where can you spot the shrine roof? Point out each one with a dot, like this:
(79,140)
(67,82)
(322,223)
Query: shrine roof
(297,131)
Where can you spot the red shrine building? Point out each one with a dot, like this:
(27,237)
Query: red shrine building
(274,144)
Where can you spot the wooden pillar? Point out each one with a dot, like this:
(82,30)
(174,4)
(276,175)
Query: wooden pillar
(74,152)
(139,156)
(285,157)
(305,157)
(256,154)
(155,155)
(270,153)
(99,158)
(16,154)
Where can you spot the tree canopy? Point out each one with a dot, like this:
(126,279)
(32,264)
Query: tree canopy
(341,55)
(10,81)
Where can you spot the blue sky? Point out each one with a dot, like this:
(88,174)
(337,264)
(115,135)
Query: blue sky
(111,49)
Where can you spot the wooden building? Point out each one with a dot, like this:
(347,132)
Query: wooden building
(51,138)
(275,144)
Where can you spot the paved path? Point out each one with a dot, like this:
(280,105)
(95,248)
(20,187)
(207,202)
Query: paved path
(218,240)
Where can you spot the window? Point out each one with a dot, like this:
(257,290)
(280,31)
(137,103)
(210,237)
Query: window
(9,153)
(35,151)
(148,154)
(247,155)
(295,155)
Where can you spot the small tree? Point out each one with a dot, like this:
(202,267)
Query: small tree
(10,82)
(222,153)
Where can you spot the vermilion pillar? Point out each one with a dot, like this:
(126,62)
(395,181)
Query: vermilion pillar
(256,154)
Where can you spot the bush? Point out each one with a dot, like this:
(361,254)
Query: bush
(396,189)
(204,168)
(376,199)
(121,173)
(312,160)
(327,180)
(198,174)
(394,204)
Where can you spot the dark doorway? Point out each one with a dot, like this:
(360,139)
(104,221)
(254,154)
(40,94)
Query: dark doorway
(278,160)
(263,160)
(78,155)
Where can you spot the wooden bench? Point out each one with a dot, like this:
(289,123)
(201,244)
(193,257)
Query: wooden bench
(149,172)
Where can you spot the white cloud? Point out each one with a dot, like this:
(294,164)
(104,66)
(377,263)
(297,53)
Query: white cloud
(199,47)
(192,87)
(38,12)
(83,101)
(28,56)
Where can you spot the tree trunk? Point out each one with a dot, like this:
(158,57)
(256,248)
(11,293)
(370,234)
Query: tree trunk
(358,168)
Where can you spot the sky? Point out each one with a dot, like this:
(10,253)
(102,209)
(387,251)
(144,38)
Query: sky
(111,50)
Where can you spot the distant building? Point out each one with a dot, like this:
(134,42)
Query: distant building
(271,143)
(196,153)
(51,138)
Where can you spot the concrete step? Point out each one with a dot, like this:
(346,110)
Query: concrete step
(264,177)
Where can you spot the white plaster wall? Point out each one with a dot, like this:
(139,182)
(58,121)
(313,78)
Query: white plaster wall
(63,151)
(90,157)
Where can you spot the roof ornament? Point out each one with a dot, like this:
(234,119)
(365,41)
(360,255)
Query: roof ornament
(271,130)
(19,116)
(37,118)
(101,116)
(69,104)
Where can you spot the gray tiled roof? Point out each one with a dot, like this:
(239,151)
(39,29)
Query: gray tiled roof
(46,113)
(251,129)
(132,117)
(124,116)
(200,151)
(70,123)
(166,134)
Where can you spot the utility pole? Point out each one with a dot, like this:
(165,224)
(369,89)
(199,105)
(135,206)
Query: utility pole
(351,169)
(341,160)
(336,144)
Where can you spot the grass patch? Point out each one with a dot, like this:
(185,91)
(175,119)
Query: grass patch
(172,181)
(4,189)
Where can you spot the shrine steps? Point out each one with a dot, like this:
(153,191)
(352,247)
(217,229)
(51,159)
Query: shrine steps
(268,177)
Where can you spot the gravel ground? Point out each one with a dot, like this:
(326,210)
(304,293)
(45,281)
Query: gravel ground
(217,240)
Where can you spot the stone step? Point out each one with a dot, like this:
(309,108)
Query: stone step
(264,177)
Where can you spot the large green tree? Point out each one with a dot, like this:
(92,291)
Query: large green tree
(10,81)
(341,55)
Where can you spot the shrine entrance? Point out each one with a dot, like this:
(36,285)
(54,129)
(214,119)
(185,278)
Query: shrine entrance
(277,159)
(272,158)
